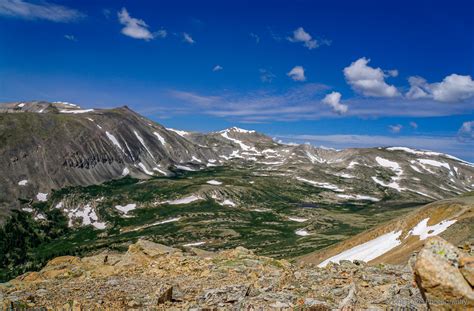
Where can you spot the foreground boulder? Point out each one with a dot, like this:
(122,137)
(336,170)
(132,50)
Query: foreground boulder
(444,275)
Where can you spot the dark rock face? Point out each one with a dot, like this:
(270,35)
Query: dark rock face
(52,150)
(46,146)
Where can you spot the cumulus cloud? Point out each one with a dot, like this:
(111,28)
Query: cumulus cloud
(134,28)
(466,132)
(419,88)
(453,88)
(187,38)
(297,74)
(300,35)
(334,100)
(217,68)
(396,128)
(41,10)
(367,80)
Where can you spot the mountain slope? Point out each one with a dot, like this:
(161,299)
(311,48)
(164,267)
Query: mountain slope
(394,242)
(45,146)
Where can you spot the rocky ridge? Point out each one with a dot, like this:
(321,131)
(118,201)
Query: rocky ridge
(151,276)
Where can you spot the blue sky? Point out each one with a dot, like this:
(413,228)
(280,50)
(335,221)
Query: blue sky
(332,73)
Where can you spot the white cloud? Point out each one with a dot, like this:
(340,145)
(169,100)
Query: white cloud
(217,68)
(70,37)
(41,10)
(453,88)
(187,38)
(419,88)
(466,132)
(305,102)
(135,28)
(367,80)
(297,73)
(392,73)
(396,128)
(333,99)
(300,35)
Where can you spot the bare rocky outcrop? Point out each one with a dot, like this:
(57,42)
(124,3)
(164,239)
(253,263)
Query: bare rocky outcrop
(444,275)
(151,276)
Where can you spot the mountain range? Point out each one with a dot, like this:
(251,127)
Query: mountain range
(77,180)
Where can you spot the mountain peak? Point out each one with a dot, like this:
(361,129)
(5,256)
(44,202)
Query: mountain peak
(237,130)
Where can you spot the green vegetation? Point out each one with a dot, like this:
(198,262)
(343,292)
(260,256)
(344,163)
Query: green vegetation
(259,221)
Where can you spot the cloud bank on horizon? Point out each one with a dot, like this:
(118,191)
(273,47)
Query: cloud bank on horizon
(277,70)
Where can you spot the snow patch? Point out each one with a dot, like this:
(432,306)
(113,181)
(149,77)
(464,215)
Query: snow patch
(238,142)
(214,182)
(76,111)
(196,159)
(424,231)
(434,163)
(416,169)
(113,140)
(228,202)
(180,133)
(185,200)
(143,144)
(393,184)
(237,129)
(358,197)
(126,208)
(160,138)
(125,171)
(324,185)
(368,250)
(297,219)
(185,168)
(302,232)
(88,216)
(144,169)
(42,197)
(156,223)
(394,166)
(23,182)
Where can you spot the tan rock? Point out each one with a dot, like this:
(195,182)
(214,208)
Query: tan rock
(438,276)
(63,261)
(55,273)
(31,277)
(466,265)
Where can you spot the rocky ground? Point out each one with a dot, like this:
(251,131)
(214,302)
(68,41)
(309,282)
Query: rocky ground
(157,277)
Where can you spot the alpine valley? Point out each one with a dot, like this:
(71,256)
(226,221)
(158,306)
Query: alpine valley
(75,181)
